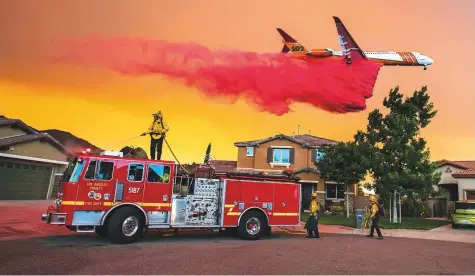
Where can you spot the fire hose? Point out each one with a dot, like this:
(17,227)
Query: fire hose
(366,219)
(174,156)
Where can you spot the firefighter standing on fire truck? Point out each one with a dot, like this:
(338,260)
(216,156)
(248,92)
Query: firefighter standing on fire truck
(312,223)
(157,133)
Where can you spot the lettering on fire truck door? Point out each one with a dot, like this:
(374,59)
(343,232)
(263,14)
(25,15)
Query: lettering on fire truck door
(158,186)
(287,204)
(132,174)
(97,187)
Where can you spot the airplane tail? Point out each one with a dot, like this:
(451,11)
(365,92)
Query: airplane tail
(290,44)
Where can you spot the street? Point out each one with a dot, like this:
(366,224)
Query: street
(210,253)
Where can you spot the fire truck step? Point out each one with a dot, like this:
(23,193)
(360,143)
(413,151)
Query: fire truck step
(159,226)
(85,229)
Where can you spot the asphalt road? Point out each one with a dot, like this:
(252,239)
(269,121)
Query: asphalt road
(201,253)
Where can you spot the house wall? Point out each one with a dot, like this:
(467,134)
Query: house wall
(37,149)
(446,177)
(6,131)
(302,156)
(465,184)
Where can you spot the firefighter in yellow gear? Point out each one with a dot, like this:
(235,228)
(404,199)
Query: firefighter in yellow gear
(157,132)
(375,214)
(312,223)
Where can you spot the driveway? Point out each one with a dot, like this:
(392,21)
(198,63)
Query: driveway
(28,246)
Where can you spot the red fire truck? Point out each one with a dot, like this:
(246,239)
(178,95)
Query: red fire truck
(118,198)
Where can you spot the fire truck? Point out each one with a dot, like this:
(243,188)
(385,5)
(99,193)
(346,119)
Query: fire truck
(120,198)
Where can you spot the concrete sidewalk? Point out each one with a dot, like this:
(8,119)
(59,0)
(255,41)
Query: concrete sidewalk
(444,233)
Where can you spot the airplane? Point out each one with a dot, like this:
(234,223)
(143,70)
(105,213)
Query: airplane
(351,51)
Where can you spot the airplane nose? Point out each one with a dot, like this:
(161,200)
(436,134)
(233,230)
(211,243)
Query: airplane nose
(429,60)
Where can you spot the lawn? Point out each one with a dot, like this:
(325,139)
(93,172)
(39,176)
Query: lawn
(407,223)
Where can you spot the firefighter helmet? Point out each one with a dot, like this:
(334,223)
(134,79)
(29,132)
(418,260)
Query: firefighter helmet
(314,194)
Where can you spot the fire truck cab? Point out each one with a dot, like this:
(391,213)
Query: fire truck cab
(118,198)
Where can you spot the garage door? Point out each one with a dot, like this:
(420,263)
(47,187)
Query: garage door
(20,180)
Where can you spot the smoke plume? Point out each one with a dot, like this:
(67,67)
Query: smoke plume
(272,82)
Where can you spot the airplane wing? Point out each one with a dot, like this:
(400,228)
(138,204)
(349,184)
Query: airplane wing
(349,48)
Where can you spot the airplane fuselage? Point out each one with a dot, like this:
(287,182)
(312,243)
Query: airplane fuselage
(351,51)
(384,57)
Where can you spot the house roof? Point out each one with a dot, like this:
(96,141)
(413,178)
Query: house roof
(307,169)
(223,166)
(305,140)
(467,164)
(4,121)
(14,140)
(470,173)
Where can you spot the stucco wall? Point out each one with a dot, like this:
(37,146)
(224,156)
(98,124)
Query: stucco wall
(37,149)
(465,184)
(6,131)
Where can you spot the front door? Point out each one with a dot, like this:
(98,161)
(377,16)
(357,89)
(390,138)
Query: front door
(307,190)
(157,193)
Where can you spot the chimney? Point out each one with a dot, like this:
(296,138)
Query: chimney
(293,134)
(298,130)
(309,132)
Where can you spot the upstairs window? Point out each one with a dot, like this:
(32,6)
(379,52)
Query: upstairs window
(281,156)
(249,151)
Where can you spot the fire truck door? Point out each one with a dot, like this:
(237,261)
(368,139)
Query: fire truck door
(158,186)
(134,181)
(98,186)
(286,204)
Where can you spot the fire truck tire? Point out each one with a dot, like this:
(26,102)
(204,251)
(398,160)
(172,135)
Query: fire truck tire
(101,231)
(126,225)
(252,226)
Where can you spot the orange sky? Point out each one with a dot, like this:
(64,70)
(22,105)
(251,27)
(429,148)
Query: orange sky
(106,108)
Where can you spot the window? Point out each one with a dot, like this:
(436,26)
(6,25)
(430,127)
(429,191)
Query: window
(335,191)
(281,156)
(158,173)
(77,166)
(317,155)
(249,151)
(135,173)
(99,170)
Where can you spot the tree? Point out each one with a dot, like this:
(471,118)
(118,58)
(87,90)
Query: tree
(342,163)
(394,152)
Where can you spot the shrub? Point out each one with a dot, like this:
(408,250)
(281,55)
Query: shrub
(336,208)
(411,207)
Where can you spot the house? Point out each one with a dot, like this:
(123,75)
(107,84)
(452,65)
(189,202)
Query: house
(457,183)
(29,161)
(298,153)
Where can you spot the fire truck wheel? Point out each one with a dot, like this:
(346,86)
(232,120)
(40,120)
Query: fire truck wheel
(126,225)
(101,231)
(252,225)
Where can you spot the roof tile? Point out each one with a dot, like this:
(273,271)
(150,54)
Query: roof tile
(305,140)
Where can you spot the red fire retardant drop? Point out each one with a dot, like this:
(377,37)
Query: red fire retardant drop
(270,81)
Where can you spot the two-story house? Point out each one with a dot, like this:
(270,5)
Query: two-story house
(298,153)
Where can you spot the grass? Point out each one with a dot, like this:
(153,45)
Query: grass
(407,223)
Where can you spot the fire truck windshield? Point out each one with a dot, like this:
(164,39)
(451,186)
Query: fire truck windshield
(74,170)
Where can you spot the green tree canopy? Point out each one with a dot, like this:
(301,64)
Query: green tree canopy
(342,163)
(395,154)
